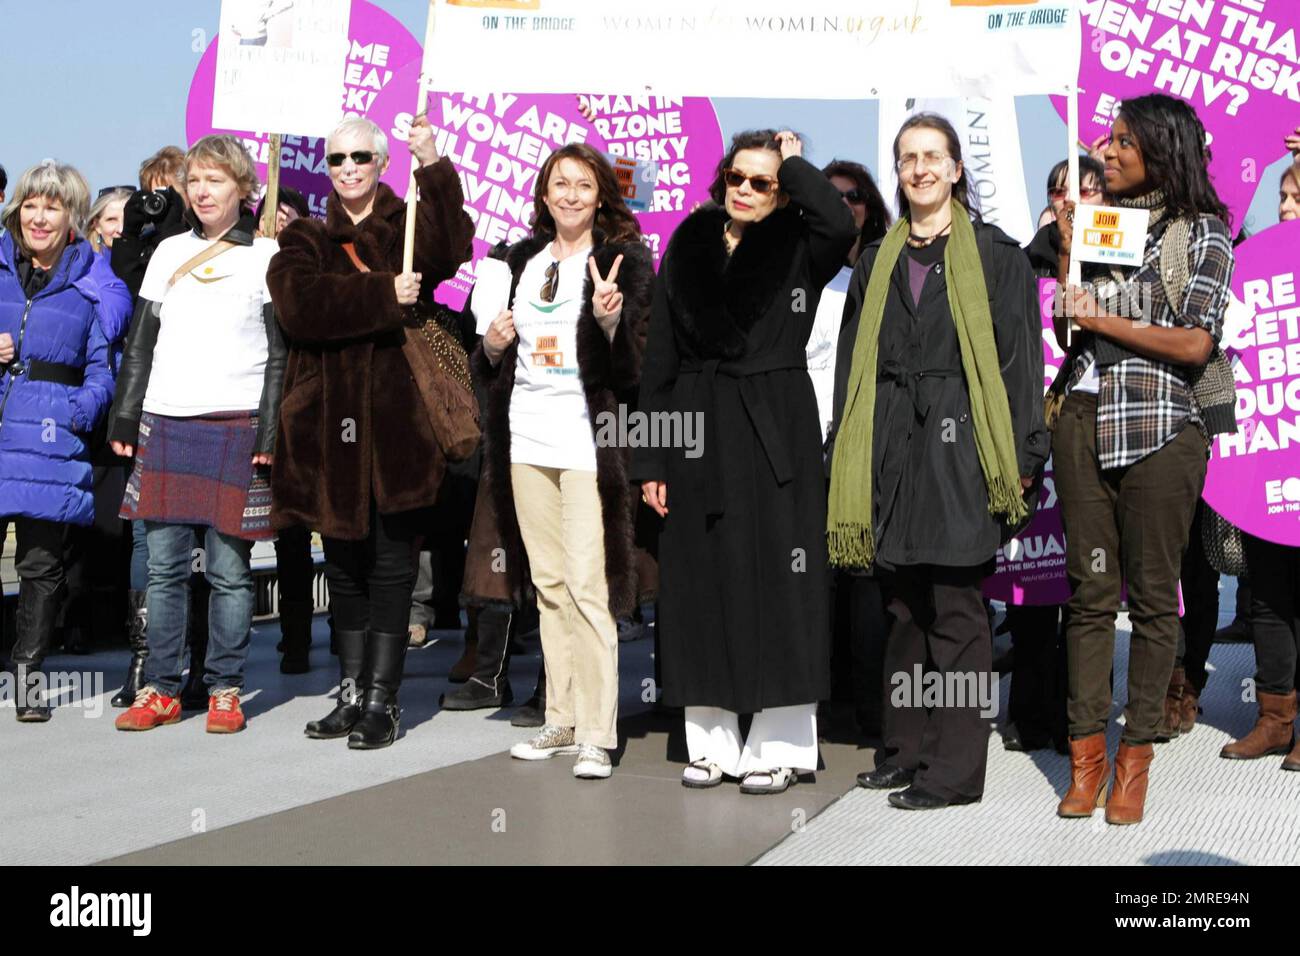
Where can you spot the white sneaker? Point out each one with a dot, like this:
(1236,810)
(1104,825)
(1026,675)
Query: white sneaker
(593,763)
(548,742)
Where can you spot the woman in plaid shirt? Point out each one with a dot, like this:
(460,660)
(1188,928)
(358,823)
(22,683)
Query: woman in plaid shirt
(1132,442)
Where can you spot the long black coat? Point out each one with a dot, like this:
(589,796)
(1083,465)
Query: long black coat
(743,590)
(930,500)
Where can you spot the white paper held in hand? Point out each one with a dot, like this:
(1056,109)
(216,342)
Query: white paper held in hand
(491,294)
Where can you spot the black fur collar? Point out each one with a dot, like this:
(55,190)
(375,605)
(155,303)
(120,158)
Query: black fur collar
(385,216)
(719,298)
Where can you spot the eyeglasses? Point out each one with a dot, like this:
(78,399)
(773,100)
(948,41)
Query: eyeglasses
(551,283)
(762,185)
(112,189)
(931,160)
(853,196)
(361,157)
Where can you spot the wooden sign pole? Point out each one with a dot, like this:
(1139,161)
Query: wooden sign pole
(271,202)
(408,246)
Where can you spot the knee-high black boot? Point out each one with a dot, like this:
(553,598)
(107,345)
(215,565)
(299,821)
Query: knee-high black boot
(382,672)
(489,685)
(340,721)
(137,626)
(295,626)
(35,617)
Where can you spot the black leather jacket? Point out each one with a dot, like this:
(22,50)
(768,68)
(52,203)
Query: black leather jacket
(137,362)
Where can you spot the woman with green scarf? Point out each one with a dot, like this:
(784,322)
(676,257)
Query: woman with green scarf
(938,431)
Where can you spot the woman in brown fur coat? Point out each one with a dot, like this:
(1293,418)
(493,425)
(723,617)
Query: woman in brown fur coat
(358,459)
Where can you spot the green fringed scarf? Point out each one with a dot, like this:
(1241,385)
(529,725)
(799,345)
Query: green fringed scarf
(848,527)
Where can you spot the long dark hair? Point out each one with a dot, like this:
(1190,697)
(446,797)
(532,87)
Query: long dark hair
(878,219)
(1089,168)
(613,218)
(961,190)
(1172,140)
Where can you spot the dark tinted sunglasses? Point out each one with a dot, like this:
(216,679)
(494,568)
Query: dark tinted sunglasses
(854,196)
(361,157)
(552,281)
(760,184)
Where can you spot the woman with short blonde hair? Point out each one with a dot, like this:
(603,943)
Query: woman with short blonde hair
(197,404)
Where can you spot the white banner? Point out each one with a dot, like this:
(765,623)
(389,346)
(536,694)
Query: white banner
(990,147)
(802,49)
(278,65)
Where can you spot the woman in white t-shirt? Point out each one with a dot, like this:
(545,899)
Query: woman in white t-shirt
(197,401)
(559,366)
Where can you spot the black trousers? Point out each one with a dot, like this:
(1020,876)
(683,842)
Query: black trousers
(940,627)
(1275,600)
(1200,607)
(293,565)
(38,560)
(1036,704)
(371,580)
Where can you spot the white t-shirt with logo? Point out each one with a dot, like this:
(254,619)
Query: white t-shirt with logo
(823,342)
(549,424)
(211,349)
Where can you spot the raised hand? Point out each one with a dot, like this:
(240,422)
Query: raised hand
(791,145)
(421,142)
(1293,143)
(606,299)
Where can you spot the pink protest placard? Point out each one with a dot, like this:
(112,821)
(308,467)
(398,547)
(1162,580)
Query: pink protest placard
(499,141)
(1031,566)
(1254,475)
(1235,62)
(379,46)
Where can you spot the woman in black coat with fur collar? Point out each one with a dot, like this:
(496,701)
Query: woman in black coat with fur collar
(556,366)
(742,615)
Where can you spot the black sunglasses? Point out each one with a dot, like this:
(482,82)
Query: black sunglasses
(361,157)
(760,184)
(552,281)
(854,196)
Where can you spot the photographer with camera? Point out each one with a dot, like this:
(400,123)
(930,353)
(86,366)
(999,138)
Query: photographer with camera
(153,213)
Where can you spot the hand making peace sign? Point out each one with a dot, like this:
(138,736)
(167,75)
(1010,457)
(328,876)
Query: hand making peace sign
(606,299)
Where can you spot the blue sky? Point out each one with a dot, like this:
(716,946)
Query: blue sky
(103,83)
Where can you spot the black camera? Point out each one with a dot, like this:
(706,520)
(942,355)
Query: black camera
(155,203)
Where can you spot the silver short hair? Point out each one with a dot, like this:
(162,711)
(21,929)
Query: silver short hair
(359,124)
(54,180)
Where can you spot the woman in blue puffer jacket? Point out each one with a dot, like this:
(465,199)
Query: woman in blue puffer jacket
(61,311)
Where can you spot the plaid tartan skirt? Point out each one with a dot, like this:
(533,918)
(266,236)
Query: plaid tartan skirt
(200,471)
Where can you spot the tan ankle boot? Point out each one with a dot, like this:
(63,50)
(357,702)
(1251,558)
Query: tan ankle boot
(1089,771)
(1129,793)
(1272,733)
(1189,708)
(1292,762)
(1171,723)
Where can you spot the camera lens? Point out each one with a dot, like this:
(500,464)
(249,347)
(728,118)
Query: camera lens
(155,204)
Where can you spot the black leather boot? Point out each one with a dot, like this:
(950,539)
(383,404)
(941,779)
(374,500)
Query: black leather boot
(194,695)
(533,711)
(340,721)
(385,658)
(295,626)
(489,685)
(34,619)
(137,627)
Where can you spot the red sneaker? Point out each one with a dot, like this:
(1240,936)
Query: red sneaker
(224,715)
(150,709)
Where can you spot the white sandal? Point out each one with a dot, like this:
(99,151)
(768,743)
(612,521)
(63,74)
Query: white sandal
(769,781)
(706,775)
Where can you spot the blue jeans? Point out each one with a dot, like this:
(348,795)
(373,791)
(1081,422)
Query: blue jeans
(230,610)
(139,558)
